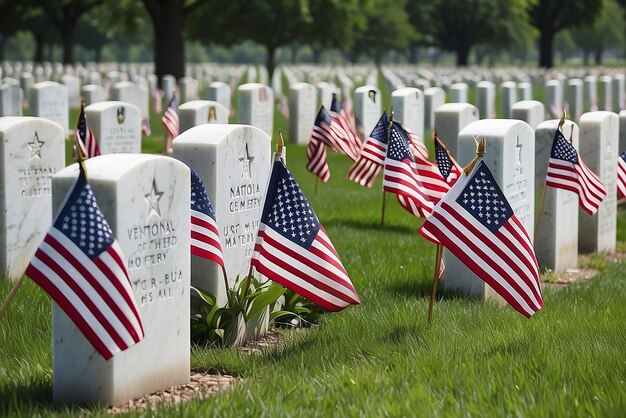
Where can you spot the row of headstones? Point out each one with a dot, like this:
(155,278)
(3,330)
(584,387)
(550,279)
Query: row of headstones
(517,154)
(146,200)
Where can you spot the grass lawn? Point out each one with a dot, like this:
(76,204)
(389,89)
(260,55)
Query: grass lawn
(380,358)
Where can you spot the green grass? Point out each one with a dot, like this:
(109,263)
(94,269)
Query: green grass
(380,358)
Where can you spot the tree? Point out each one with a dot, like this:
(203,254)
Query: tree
(459,25)
(552,16)
(607,30)
(387,27)
(168,22)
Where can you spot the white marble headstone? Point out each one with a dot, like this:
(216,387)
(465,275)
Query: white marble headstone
(32,150)
(554,98)
(116,126)
(530,111)
(302,111)
(234,162)
(619,92)
(622,131)
(525,90)
(458,92)
(92,93)
(188,87)
(486,98)
(556,243)
(11,98)
(575,98)
(606,87)
(220,92)
(73,89)
(368,106)
(450,118)
(256,106)
(199,112)
(599,133)
(146,201)
(168,85)
(509,98)
(325,92)
(408,108)
(510,155)
(590,93)
(133,93)
(49,100)
(433,98)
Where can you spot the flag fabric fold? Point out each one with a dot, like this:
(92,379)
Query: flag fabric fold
(448,168)
(205,239)
(342,121)
(317,163)
(293,249)
(621,175)
(476,223)
(400,175)
(566,170)
(328,130)
(85,137)
(170,118)
(370,162)
(80,265)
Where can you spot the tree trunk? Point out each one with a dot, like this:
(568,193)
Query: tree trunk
(169,44)
(3,42)
(67,37)
(317,55)
(413,54)
(462,55)
(598,56)
(40,41)
(294,53)
(546,37)
(270,60)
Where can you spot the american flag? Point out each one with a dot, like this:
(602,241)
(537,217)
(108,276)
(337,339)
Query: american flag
(85,137)
(475,222)
(170,118)
(328,131)
(621,174)
(316,155)
(372,158)
(292,247)
(80,265)
(342,120)
(566,170)
(400,174)
(145,127)
(448,168)
(205,239)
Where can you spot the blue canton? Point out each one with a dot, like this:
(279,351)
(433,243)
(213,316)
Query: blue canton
(82,125)
(335,106)
(287,210)
(199,198)
(82,221)
(484,200)
(322,116)
(398,148)
(443,160)
(623,156)
(562,149)
(380,131)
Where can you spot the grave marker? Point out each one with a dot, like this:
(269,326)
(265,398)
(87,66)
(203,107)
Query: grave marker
(199,112)
(220,92)
(11,99)
(256,106)
(530,111)
(450,118)
(49,100)
(302,111)
(368,107)
(116,126)
(509,98)
(575,102)
(433,98)
(486,97)
(408,107)
(458,92)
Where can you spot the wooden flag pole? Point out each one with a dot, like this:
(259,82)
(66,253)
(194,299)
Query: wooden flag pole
(545,185)
(433,294)
(81,156)
(382,211)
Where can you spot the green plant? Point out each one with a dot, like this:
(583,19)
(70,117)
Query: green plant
(247,299)
(295,311)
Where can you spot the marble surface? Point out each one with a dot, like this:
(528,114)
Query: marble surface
(234,162)
(116,126)
(556,244)
(606,90)
(486,98)
(220,92)
(433,98)
(368,106)
(11,100)
(590,93)
(92,93)
(619,92)
(575,98)
(408,107)
(188,88)
(622,131)
(450,118)
(72,83)
(524,90)
(50,100)
(32,150)
(509,98)
(530,111)
(458,93)
(554,98)
(133,93)
(199,112)
(325,92)
(510,155)
(599,133)
(146,200)
(256,106)
(302,111)
(168,85)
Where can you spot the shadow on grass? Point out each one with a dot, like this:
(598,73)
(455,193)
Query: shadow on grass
(18,397)
(411,289)
(371,226)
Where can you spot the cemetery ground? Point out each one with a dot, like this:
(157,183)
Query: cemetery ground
(381,358)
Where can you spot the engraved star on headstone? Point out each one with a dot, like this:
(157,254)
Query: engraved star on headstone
(245,162)
(152,199)
(35,147)
(518,158)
